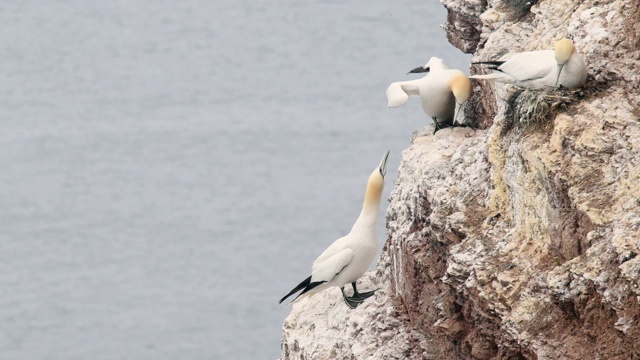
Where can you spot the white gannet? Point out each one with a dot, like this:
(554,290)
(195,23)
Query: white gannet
(347,259)
(443,92)
(562,67)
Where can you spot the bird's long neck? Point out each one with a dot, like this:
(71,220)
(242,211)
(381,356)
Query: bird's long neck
(369,214)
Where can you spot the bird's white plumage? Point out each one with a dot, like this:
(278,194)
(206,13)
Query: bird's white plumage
(434,90)
(562,66)
(349,257)
(531,65)
(398,92)
(331,262)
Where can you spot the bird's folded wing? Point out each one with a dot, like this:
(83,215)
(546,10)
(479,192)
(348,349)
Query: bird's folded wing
(328,268)
(529,65)
(333,249)
(398,93)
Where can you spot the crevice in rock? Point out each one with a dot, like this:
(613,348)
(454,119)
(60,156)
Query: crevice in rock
(482,105)
(568,226)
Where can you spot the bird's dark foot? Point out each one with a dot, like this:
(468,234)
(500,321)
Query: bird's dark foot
(351,301)
(460,125)
(463,125)
(364,295)
(439,126)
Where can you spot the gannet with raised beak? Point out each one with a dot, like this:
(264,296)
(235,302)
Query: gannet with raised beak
(561,67)
(349,257)
(443,92)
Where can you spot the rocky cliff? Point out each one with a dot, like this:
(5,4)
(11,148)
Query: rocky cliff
(517,239)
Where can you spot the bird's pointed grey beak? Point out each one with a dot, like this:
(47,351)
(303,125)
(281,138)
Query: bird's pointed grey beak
(383,164)
(456,113)
(559,71)
(419,69)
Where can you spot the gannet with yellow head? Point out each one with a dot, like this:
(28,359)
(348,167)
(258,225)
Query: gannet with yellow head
(561,67)
(349,257)
(443,92)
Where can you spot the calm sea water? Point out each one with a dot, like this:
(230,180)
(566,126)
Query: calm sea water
(169,169)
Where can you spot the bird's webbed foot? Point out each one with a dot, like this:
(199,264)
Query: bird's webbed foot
(352,301)
(439,126)
(436,126)
(364,295)
(461,125)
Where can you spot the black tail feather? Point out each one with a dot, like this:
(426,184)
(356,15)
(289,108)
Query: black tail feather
(306,284)
(309,287)
(489,62)
(494,65)
(303,284)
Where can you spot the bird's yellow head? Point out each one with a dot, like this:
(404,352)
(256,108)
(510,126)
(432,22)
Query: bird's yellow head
(376,182)
(460,87)
(563,51)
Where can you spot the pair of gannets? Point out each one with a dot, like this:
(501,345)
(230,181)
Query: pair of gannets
(444,91)
(349,257)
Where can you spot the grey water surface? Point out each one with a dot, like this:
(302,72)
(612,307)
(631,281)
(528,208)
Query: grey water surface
(170,169)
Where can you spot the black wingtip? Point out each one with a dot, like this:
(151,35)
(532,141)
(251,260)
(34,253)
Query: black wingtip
(302,285)
(306,285)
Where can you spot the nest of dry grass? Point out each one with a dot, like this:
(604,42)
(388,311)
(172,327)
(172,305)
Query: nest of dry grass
(529,109)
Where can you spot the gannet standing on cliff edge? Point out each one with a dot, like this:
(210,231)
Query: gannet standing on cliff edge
(443,92)
(347,259)
(562,66)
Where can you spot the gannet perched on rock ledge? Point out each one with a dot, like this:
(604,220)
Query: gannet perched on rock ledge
(349,257)
(443,92)
(561,67)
